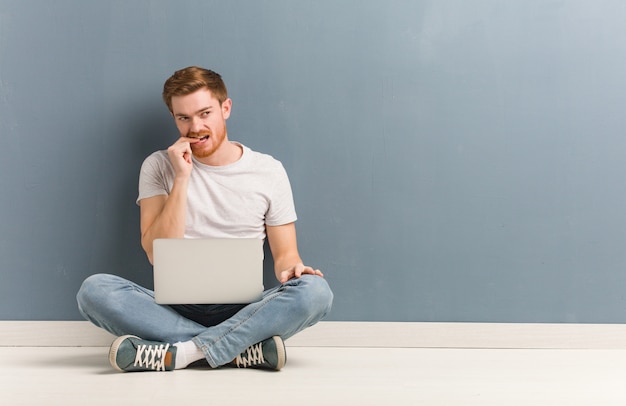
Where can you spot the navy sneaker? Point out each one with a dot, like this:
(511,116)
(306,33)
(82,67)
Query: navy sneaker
(132,354)
(268,354)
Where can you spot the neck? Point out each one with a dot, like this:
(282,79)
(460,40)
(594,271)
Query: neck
(226,154)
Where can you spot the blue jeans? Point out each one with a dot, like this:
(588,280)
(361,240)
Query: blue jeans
(222,332)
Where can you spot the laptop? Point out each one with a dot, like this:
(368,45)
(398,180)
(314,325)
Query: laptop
(208,270)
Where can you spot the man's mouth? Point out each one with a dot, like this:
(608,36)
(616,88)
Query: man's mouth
(200,138)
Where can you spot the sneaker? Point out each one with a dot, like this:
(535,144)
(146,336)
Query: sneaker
(132,354)
(269,354)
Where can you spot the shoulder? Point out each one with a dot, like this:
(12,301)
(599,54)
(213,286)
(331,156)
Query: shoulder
(157,157)
(157,160)
(262,160)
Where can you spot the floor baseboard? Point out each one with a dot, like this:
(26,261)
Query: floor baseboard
(358,334)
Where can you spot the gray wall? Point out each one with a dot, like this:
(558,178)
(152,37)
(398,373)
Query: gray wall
(451,160)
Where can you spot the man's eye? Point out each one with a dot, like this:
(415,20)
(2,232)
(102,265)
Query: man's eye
(183,118)
(205,113)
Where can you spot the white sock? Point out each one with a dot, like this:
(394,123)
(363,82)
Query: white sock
(186,353)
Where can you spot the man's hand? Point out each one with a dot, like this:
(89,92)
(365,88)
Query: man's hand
(297,271)
(180,156)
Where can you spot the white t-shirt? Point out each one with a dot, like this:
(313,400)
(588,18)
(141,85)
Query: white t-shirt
(232,201)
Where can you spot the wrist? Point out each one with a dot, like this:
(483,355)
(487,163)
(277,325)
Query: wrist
(181,179)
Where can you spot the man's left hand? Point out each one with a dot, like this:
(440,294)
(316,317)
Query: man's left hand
(297,271)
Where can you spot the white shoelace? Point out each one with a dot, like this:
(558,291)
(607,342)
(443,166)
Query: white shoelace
(151,356)
(252,356)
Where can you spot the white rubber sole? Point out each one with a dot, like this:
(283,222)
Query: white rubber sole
(113,351)
(281,352)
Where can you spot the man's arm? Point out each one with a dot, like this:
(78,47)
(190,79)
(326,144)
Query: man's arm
(284,247)
(164,216)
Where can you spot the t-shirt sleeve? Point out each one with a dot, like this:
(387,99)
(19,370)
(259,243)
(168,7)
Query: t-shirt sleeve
(153,178)
(281,209)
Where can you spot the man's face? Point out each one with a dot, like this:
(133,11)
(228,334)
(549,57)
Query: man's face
(199,115)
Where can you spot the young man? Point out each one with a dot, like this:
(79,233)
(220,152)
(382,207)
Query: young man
(207,186)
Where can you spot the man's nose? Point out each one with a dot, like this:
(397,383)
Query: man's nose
(196,124)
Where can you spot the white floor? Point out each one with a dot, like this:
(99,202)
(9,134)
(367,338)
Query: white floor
(325,376)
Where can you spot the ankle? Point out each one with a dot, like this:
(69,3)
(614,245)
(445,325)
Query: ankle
(187,353)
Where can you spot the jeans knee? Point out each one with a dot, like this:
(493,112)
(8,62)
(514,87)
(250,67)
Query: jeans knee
(93,291)
(317,296)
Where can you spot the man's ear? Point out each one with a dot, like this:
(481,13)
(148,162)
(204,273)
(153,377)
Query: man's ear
(226,108)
